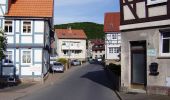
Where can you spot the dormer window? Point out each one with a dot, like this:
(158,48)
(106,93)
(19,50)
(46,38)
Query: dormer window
(27,27)
(8,26)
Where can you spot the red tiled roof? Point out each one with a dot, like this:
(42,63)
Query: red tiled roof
(70,34)
(97,41)
(31,8)
(112,22)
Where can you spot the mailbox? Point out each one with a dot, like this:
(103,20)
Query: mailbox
(153,69)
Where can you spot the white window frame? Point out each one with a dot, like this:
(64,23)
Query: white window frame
(116,50)
(9,33)
(22,25)
(9,50)
(161,47)
(114,36)
(66,52)
(111,49)
(22,57)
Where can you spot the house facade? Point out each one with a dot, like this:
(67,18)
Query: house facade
(97,48)
(112,37)
(3,11)
(28,25)
(70,44)
(145,53)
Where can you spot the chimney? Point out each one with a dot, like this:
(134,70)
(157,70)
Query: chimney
(69,29)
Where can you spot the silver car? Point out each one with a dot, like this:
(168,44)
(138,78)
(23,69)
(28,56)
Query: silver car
(75,62)
(58,67)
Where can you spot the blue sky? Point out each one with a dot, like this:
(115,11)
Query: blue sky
(68,11)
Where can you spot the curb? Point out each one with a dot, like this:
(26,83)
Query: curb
(118,95)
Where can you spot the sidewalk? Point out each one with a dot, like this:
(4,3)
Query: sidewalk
(12,93)
(142,96)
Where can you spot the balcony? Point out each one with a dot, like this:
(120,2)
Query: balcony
(65,47)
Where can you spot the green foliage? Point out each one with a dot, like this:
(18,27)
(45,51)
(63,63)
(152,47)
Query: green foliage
(62,60)
(3,44)
(115,68)
(92,30)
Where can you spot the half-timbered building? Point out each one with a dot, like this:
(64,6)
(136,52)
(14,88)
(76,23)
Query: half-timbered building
(112,37)
(28,25)
(145,48)
(3,11)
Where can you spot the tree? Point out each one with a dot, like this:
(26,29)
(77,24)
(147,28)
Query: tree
(3,44)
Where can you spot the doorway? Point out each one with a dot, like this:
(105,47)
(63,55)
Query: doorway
(138,64)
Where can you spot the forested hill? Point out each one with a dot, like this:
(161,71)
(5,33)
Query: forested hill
(92,30)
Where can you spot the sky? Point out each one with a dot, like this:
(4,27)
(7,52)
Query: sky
(69,11)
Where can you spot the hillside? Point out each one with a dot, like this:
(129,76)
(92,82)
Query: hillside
(92,30)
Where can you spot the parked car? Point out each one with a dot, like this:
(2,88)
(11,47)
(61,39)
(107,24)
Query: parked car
(99,59)
(75,62)
(58,67)
(8,71)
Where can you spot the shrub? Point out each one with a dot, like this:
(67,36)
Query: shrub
(62,60)
(115,68)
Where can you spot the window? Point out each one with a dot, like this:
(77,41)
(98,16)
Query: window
(111,50)
(166,42)
(95,56)
(77,51)
(116,50)
(8,26)
(63,43)
(9,56)
(114,36)
(26,57)
(27,27)
(65,52)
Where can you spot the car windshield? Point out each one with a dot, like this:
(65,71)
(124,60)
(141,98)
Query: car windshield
(57,64)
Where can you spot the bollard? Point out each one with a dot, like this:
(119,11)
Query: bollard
(42,79)
(33,76)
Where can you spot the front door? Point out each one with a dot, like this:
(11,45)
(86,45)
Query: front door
(138,63)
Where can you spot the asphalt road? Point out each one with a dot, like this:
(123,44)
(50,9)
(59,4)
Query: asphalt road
(86,83)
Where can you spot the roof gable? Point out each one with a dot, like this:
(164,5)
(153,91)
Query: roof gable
(70,34)
(112,22)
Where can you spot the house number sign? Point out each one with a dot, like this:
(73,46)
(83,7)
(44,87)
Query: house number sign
(151,52)
(152,2)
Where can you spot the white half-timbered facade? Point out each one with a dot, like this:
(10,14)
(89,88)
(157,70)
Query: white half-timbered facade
(28,36)
(3,11)
(145,46)
(112,37)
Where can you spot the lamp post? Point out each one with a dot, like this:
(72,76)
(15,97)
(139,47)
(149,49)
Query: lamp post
(69,54)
